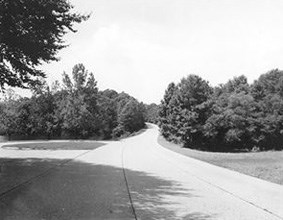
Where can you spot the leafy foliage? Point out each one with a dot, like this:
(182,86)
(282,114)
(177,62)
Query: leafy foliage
(151,113)
(235,116)
(131,116)
(75,109)
(32,33)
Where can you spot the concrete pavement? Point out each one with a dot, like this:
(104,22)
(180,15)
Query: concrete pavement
(198,190)
(131,179)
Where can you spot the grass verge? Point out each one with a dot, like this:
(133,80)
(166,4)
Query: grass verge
(266,165)
(68,145)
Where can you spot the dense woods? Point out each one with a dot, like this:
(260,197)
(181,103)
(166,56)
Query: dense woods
(234,116)
(74,108)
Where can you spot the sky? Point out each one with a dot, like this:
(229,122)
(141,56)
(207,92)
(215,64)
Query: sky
(140,46)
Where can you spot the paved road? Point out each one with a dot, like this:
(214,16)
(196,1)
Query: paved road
(131,179)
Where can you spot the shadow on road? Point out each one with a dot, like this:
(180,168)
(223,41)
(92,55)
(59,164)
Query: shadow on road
(156,198)
(78,190)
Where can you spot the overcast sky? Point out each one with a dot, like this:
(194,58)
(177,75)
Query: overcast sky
(140,46)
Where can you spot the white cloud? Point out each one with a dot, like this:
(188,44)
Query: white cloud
(130,48)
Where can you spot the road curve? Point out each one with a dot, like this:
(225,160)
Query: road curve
(134,178)
(192,189)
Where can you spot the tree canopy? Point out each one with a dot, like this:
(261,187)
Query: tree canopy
(234,116)
(74,108)
(32,33)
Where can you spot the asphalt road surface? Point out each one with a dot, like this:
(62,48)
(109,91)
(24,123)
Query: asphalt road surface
(130,179)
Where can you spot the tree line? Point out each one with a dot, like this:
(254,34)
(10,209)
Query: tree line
(75,108)
(235,116)
(32,34)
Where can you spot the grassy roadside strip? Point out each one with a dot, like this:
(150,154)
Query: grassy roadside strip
(81,144)
(266,165)
(64,145)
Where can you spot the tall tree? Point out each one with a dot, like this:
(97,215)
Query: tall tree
(78,110)
(31,33)
(165,115)
(193,93)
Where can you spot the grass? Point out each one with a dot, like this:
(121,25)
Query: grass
(68,145)
(266,165)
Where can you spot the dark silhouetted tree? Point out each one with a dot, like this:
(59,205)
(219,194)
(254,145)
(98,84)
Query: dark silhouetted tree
(31,33)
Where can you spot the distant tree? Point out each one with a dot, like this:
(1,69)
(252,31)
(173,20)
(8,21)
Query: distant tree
(165,123)
(25,119)
(231,125)
(231,117)
(109,93)
(174,123)
(151,113)
(42,111)
(267,91)
(131,117)
(78,110)
(2,125)
(74,109)
(237,84)
(9,113)
(121,100)
(108,115)
(32,33)
(193,93)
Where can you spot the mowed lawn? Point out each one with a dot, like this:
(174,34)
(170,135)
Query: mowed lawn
(264,165)
(64,145)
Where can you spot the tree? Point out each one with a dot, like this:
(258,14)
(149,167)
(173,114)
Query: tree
(121,100)
(109,93)
(108,118)
(232,116)
(8,114)
(193,93)
(43,107)
(151,113)
(129,112)
(267,91)
(32,33)
(231,124)
(237,84)
(165,122)
(184,110)
(131,117)
(78,110)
